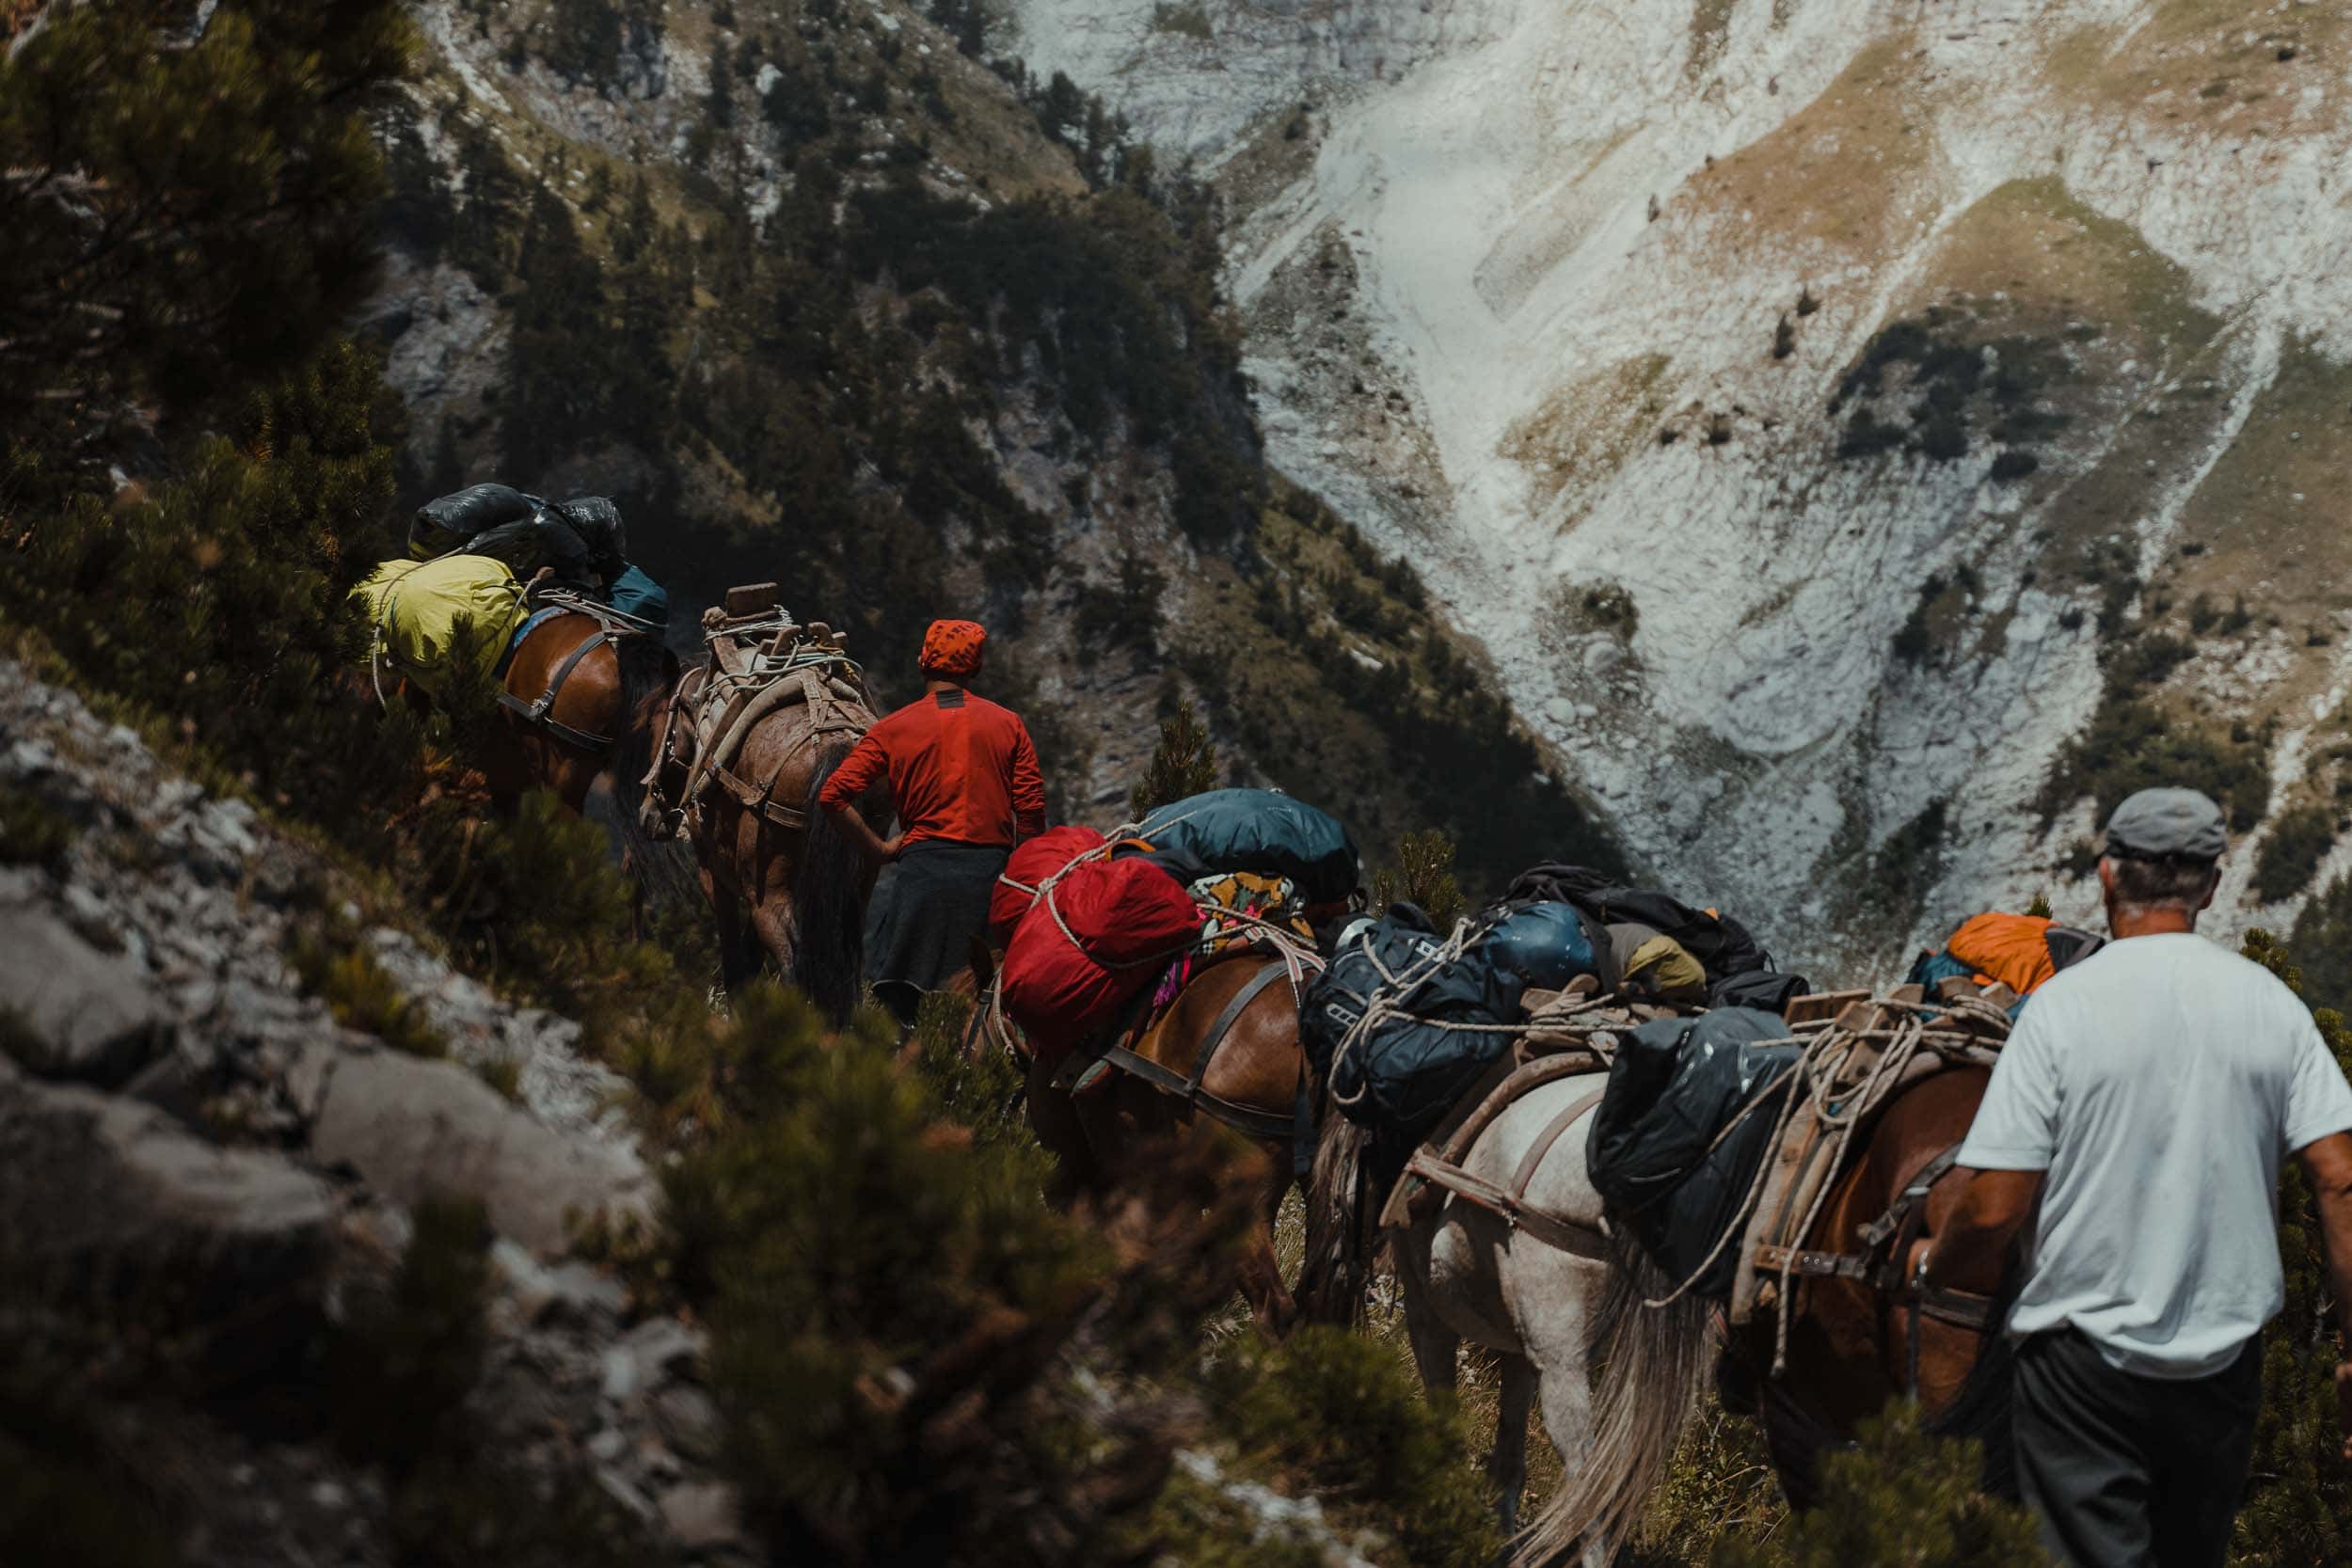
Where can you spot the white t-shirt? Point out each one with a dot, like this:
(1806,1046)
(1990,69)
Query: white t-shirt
(2159,1083)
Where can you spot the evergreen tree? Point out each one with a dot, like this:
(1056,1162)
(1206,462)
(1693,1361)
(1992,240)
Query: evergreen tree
(448,472)
(560,358)
(719,104)
(179,211)
(1184,764)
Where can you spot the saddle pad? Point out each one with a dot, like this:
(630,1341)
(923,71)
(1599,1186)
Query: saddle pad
(522,634)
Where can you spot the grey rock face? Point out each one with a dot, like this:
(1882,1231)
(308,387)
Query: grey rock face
(412,1127)
(78,1013)
(111,1194)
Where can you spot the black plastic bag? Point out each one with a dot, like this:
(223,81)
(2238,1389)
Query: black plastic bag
(442,525)
(1659,1155)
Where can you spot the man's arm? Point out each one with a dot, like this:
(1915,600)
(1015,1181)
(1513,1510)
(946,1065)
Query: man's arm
(2328,1162)
(838,800)
(1969,1250)
(1028,787)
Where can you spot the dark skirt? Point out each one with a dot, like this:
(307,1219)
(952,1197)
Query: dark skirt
(926,914)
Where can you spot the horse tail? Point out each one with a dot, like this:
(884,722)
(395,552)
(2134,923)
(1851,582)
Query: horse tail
(827,912)
(649,675)
(1338,1261)
(1648,1366)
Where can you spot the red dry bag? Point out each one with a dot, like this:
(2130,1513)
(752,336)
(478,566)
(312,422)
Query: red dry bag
(1121,922)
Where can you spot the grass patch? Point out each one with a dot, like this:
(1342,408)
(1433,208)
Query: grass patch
(363,995)
(32,832)
(1186,21)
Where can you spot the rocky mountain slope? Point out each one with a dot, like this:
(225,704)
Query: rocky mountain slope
(218,1176)
(1867,438)
(825,298)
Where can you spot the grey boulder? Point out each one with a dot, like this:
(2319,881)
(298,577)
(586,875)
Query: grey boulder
(72,1011)
(412,1128)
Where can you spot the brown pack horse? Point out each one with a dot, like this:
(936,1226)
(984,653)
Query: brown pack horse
(1221,1075)
(1858,1333)
(580,701)
(785,885)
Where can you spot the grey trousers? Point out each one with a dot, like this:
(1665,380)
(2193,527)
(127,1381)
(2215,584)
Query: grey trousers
(2127,1471)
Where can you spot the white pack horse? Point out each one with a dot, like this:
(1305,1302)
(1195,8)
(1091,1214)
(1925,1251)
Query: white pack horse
(1551,1311)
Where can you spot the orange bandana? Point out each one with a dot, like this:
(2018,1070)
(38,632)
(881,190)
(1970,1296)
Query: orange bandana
(951,649)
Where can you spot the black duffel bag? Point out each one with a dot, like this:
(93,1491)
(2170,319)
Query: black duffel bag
(447,523)
(1658,1153)
(1403,1075)
(1722,946)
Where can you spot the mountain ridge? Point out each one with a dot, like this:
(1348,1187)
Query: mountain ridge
(1566,308)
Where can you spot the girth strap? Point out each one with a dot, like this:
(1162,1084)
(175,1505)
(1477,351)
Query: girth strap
(540,710)
(1267,1125)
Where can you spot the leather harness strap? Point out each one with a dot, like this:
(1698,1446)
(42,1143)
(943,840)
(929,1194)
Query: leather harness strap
(540,711)
(1511,1203)
(1533,1159)
(1271,1126)
(1226,1019)
(1884,1274)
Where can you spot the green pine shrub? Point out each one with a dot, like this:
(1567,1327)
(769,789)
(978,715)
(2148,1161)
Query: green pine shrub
(1337,1415)
(32,832)
(2131,744)
(981,1088)
(403,1362)
(891,1306)
(1898,1495)
(183,212)
(2298,1509)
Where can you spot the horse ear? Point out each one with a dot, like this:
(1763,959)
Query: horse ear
(983,964)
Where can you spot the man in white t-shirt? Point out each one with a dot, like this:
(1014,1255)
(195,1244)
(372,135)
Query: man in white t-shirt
(2147,1099)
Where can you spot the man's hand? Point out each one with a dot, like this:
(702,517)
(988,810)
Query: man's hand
(892,847)
(1971,1250)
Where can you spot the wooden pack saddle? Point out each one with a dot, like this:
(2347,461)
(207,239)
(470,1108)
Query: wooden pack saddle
(758,660)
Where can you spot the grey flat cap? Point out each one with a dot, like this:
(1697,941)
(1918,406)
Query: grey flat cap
(2156,824)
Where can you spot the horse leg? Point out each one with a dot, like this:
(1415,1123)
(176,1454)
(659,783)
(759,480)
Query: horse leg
(738,952)
(1270,1300)
(1054,1120)
(773,922)
(1506,1467)
(1567,1399)
(1435,1347)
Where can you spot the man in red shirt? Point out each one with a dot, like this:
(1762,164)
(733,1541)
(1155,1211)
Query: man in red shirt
(963,775)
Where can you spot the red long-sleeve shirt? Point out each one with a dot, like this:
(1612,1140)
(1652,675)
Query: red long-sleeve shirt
(960,767)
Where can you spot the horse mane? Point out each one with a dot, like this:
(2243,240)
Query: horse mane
(1649,1366)
(648,675)
(828,906)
